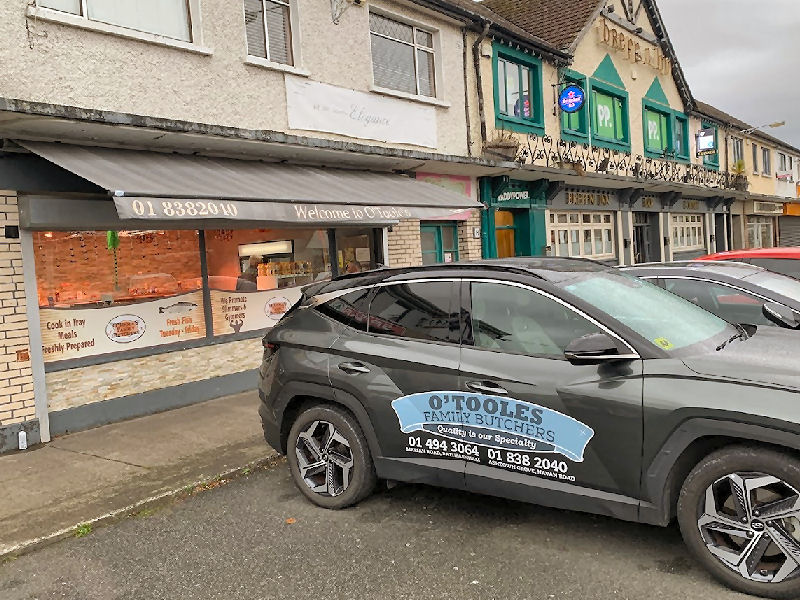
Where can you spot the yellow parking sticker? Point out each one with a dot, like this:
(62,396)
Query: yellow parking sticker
(664,343)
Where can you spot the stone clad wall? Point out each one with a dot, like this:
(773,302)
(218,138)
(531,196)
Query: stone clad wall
(16,380)
(85,385)
(469,247)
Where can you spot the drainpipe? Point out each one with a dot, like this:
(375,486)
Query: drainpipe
(476,59)
(466,91)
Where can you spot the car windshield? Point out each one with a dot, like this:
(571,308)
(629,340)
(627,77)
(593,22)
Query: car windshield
(780,284)
(665,320)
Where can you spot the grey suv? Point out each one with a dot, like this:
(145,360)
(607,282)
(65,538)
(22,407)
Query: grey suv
(554,381)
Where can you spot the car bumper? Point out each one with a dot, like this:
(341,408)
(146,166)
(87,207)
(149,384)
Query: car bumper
(272,433)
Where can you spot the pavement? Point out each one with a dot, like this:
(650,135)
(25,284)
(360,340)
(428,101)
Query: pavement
(257,537)
(109,472)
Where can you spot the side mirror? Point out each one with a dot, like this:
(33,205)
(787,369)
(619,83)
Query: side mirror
(594,349)
(781,315)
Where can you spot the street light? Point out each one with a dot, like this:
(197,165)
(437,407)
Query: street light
(773,125)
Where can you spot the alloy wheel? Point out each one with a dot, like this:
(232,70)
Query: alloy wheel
(751,523)
(324,458)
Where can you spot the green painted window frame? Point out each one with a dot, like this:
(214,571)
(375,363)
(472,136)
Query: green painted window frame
(581,133)
(674,119)
(711,161)
(438,229)
(624,145)
(534,124)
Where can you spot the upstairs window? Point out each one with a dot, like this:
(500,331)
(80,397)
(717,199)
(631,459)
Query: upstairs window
(712,160)
(656,132)
(766,161)
(403,56)
(575,124)
(168,18)
(781,161)
(609,117)
(268,29)
(518,91)
(755,159)
(738,150)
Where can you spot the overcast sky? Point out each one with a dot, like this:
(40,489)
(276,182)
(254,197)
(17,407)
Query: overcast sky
(742,56)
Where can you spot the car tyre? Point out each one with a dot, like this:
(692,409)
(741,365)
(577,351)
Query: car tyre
(738,512)
(329,457)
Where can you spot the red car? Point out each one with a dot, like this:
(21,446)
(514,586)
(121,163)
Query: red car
(779,260)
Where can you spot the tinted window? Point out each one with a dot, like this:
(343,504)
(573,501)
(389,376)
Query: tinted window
(351,309)
(786,266)
(425,311)
(513,319)
(733,305)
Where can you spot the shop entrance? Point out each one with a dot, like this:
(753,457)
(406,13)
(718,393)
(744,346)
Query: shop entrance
(645,237)
(505,234)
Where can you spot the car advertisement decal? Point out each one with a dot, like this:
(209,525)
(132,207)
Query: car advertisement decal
(664,343)
(492,430)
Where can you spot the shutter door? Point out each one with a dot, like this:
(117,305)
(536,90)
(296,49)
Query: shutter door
(789,231)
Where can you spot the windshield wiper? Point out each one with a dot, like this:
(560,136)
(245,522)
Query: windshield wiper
(741,335)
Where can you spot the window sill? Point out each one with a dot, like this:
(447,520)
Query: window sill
(575,136)
(671,158)
(257,61)
(62,18)
(611,144)
(518,125)
(407,96)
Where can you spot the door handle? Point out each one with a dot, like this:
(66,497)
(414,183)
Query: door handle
(352,368)
(487,387)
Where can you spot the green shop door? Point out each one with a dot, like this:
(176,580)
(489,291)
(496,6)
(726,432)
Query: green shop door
(439,243)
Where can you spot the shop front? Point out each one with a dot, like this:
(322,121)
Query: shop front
(585,223)
(158,297)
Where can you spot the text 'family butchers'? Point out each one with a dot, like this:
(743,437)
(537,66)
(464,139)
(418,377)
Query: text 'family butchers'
(315,213)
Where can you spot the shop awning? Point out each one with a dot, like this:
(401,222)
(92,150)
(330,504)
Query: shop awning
(154,186)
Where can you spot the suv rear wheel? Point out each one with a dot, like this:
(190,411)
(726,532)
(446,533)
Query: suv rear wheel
(739,514)
(329,458)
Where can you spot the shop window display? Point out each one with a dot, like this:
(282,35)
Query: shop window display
(105,291)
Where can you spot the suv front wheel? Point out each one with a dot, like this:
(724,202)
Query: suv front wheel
(739,514)
(329,458)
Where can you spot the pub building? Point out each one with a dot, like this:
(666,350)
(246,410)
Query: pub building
(157,274)
(614,226)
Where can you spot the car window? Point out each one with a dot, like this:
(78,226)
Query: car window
(351,309)
(666,320)
(780,284)
(425,311)
(733,305)
(787,266)
(518,320)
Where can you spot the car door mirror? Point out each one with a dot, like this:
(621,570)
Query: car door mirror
(595,348)
(781,315)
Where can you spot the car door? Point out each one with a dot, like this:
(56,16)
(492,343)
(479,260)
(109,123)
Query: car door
(401,362)
(547,431)
(733,304)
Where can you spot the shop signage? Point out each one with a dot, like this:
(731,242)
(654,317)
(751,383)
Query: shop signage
(238,312)
(314,106)
(513,196)
(588,198)
(691,205)
(159,209)
(571,98)
(647,202)
(706,141)
(634,48)
(69,333)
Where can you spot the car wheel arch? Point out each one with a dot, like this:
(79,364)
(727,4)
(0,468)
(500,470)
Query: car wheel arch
(688,444)
(297,396)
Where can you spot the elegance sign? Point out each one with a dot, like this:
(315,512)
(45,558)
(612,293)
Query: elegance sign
(315,106)
(635,49)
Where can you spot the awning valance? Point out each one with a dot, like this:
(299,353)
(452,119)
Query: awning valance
(155,186)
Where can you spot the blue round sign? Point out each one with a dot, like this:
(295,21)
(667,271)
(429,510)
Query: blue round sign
(571,98)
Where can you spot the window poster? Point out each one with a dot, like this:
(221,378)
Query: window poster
(74,332)
(238,312)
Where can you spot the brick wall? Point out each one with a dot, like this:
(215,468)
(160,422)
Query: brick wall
(16,380)
(405,249)
(469,247)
